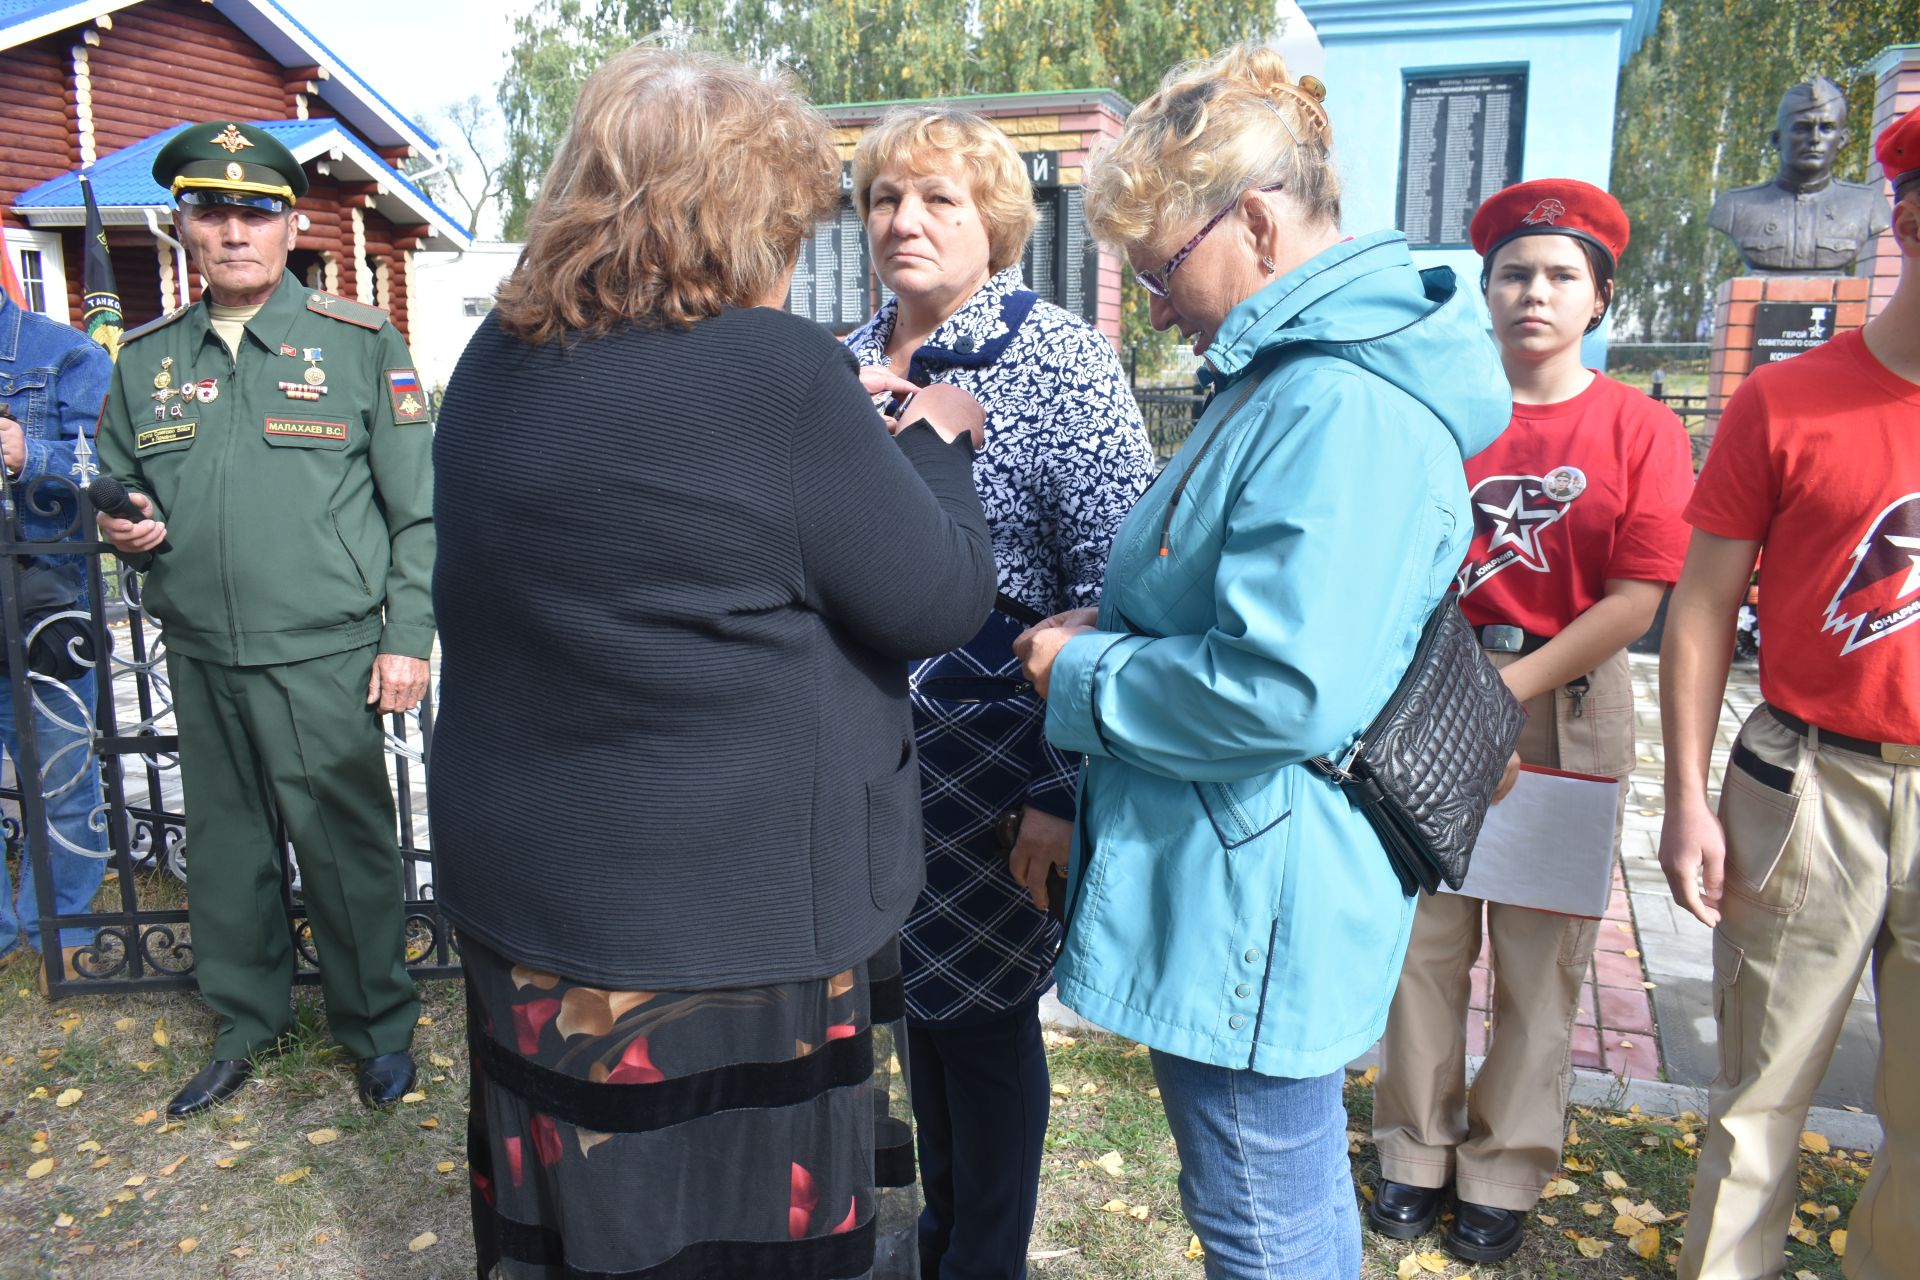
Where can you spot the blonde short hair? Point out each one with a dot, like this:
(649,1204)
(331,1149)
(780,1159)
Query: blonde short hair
(1214,129)
(684,185)
(929,139)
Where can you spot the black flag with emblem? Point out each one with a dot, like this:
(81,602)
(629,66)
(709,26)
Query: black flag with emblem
(100,292)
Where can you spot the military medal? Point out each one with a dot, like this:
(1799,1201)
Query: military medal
(164,379)
(206,391)
(315,375)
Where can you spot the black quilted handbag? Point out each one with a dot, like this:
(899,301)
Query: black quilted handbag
(1425,770)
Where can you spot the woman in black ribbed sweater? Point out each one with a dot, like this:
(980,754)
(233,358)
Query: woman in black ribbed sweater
(675,802)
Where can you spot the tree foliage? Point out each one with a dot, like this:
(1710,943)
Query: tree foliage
(1696,105)
(863,51)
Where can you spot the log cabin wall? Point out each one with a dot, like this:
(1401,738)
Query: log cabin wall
(162,62)
(34,119)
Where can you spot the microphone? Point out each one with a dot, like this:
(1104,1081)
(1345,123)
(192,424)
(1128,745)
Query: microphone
(109,497)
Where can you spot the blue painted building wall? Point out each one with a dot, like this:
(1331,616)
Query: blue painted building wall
(1571,50)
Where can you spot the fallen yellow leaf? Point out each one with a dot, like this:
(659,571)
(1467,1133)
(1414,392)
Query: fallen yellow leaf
(425,1240)
(321,1137)
(415,1095)
(288,1179)
(160,1032)
(1112,1162)
(1549,1220)
(171,1126)
(88,1146)
(168,1170)
(101,1163)
(40,1168)
(1559,1187)
(1577,1165)
(1798,1231)
(1838,1243)
(1814,1142)
(1140,1213)
(68,1097)
(1368,1076)
(38,1146)
(239,1144)
(244,1251)
(225,1162)
(431,1122)
(1409,1268)
(123,1024)
(1831,1213)
(1194,1251)
(1116,1205)
(1434,1262)
(1089,1088)
(1646,1243)
(1627,1225)
(440,1060)
(146,1117)
(63,1220)
(137,1180)
(1573,1133)
(1591,1248)
(1059,1091)
(188,1245)
(445,1166)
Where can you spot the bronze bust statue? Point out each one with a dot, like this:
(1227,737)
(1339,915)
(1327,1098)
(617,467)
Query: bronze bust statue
(1804,221)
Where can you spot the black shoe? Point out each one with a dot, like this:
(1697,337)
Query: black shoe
(217,1081)
(1404,1212)
(1483,1234)
(385,1077)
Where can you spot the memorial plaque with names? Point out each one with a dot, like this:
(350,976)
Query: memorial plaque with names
(1782,330)
(831,282)
(1460,142)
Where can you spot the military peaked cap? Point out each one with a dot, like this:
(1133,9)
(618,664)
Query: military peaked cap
(225,163)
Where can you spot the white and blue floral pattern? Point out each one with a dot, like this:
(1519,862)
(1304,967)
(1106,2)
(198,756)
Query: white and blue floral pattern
(1066,456)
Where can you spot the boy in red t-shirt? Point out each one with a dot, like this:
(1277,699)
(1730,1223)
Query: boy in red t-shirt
(1813,864)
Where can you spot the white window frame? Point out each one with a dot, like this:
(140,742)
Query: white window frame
(53,267)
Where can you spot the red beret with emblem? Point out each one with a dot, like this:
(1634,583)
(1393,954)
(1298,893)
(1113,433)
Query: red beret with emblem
(1550,206)
(1899,153)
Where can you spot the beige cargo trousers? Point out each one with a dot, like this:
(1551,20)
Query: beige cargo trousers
(1823,873)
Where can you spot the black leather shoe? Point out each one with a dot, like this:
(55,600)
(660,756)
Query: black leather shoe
(1404,1212)
(217,1081)
(1483,1234)
(385,1077)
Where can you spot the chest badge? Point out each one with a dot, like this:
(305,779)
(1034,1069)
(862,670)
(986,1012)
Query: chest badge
(206,391)
(164,379)
(315,375)
(1564,484)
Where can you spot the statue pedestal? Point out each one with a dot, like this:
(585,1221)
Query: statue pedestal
(1761,319)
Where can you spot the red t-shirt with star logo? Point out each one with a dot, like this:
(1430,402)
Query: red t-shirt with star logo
(1818,457)
(1570,495)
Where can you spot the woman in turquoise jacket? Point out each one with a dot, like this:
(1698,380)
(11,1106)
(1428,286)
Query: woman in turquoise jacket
(1227,907)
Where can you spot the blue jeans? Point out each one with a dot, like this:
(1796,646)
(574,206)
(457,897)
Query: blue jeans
(76,877)
(1263,1171)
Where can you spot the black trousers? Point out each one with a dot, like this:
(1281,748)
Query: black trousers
(980,1105)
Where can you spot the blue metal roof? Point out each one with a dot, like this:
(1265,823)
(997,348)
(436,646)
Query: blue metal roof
(125,178)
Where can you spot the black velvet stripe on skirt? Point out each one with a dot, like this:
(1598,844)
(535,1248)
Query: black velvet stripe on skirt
(689,1135)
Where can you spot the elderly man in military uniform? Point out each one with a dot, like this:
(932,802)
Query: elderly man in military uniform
(1805,220)
(280,444)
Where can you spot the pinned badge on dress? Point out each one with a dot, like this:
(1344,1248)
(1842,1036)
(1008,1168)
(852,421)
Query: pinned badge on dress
(206,391)
(1564,484)
(164,379)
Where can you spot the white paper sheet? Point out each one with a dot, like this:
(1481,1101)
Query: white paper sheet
(1548,845)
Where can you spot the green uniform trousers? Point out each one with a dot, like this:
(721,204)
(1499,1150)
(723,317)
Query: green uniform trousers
(297,741)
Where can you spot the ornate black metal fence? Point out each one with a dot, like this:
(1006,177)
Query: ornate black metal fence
(113,721)
(1170,413)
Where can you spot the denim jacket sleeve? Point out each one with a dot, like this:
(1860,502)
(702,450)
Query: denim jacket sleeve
(80,384)
(1333,531)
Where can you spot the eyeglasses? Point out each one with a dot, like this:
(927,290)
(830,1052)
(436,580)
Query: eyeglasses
(1155,282)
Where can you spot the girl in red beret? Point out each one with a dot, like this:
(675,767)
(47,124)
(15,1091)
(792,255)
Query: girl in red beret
(1577,533)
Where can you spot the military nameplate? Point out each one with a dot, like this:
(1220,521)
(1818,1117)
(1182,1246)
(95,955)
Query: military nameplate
(410,402)
(301,429)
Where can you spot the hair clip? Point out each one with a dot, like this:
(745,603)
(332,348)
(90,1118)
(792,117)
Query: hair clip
(1274,107)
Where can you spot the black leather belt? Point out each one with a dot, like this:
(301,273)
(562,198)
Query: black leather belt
(1501,637)
(1890,752)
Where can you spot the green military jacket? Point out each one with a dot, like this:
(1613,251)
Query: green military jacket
(295,480)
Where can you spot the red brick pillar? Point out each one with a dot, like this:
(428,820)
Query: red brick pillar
(1897,69)
(1737,305)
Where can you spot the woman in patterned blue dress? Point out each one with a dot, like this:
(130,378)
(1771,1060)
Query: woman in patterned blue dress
(948,209)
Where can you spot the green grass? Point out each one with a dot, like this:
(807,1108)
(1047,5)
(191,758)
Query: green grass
(385,1180)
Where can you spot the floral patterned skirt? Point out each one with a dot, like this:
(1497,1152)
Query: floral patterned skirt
(689,1135)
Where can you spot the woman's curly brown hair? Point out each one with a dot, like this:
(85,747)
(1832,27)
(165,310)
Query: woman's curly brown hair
(685,185)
